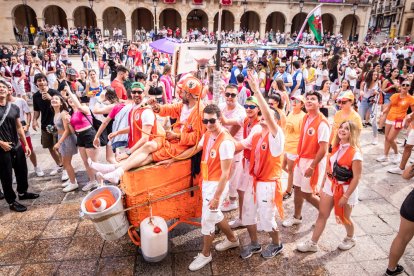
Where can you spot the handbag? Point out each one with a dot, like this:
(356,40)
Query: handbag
(96,124)
(341,173)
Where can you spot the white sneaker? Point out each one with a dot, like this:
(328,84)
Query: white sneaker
(65,175)
(39,172)
(347,243)
(71,187)
(229,205)
(308,246)
(374,141)
(226,244)
(396,159)
(235,223)
(90,185)
(199,262)
(55,171)
(383,158)
(396,170)
(291,221)
(411,160)
(66,183)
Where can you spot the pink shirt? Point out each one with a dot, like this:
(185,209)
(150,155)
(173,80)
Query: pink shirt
(115,110)
(79,121)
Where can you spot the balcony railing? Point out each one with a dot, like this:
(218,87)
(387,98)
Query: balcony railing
(387,9)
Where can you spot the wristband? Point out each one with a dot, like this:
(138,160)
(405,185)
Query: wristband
(128,152)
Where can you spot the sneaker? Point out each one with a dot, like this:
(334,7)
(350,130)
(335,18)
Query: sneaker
(65,175)
(235,223)
(17,207)
(39,172)
(411,160)
(199,262)
(90,185)
(396,159)
(374,141)
(28,195)
(1,195)
(398,270)
(71,187)
(226,244)
(381,131)
(292,221)
(272,250)
(249,250)
(229,205)
(347,243)
(308,246)
(55,171)
(112,177)
(396,170)
(66,183)
(383,158)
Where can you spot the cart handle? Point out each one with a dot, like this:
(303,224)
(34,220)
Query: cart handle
(133,235)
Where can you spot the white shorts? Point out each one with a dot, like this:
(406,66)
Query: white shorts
(246,179)
(299,180)
(410,138)
(263,211)
(353,199)
(209,218)
(235,174)
(388,122)
(291,157)
(18,87)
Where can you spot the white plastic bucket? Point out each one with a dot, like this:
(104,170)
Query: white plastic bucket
(114,227)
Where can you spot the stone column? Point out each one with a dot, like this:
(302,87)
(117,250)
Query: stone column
(100,25)
(210,26)
(236,26)
(184,28)
(288,27)
(337,29)
(71,23)
(128,23)
(262,29)
(7,36)
(362,32)
(40,22)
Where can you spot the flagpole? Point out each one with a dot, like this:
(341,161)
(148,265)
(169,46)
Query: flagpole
(306,21)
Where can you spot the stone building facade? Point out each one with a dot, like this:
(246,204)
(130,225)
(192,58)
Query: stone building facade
(129,15)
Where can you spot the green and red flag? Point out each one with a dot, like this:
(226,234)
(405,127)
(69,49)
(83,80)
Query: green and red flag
(315,23)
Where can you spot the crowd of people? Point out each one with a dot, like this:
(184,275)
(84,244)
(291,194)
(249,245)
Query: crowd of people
(299,111)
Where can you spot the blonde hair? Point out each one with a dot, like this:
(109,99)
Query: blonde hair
(354,133)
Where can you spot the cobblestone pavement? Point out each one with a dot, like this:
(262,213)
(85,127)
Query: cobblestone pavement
(51,239)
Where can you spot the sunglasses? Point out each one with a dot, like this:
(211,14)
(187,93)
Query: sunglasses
(139,92)
(230,95)
(405,85)
(226,67)
(212,121)
(250,106)
(271,104)
(296,101)
(342,102)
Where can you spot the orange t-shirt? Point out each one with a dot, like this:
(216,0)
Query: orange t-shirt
(399,106)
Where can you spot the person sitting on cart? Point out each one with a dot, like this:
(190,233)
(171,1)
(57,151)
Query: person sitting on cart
(186,132)
(218,153)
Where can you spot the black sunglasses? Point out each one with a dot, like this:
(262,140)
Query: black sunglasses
(405,85)
(250,106)
(211,121)
(139,92)
(230,95)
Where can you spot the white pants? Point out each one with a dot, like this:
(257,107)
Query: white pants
(209,218)
(245,178)
(299,180)
(236,174)
(18,87)
(353,199)
(263,211)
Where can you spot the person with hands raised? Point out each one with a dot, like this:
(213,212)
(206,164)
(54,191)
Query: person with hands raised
(12,156)
(218,153)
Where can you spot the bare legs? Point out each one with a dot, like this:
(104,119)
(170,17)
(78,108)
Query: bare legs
(404,236)
(67,165)
(208,240)
(299,199)
(93,155)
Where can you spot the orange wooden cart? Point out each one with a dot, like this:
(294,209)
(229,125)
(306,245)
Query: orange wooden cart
(170,191)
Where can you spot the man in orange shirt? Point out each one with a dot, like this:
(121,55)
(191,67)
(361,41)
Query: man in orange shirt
(218,153)
(186,133)
(310,165)
(264,195)
(118,83)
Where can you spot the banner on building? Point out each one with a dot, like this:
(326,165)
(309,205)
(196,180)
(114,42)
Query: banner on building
(169,1)
(226,2)
(198,2)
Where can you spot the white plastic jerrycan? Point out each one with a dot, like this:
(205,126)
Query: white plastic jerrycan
(154,239)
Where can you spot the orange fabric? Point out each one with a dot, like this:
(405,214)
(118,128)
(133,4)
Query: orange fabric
(399,106)
(246,131)
(193,128)
(310,143)
(119,89)
(338,189)
(167,149)
(135,123)
(104,194)
(269,168)
(213,169)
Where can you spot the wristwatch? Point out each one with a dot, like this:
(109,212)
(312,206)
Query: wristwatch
(128,152)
